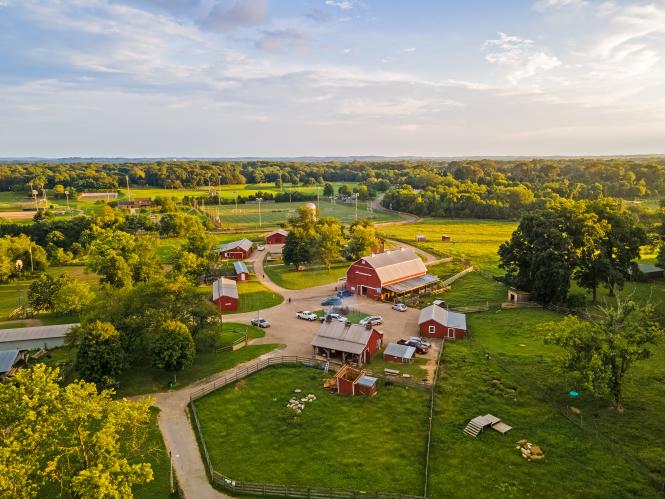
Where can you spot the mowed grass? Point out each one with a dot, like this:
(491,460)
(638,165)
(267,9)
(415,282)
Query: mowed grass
(253,295)
(474,240)
(362,443)
(609,455)
(167,247)
(313,275)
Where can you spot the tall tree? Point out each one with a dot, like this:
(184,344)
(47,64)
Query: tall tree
(329,242)
(171,346)
(362,241)
(100,357)
(601,353)
(298,247)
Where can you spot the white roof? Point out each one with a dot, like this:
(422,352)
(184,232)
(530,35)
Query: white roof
(35,333)
(442,316)
(224,287)
(283,232)
(243,243)
(401,351)
(342,336)
(396,265)
(240,267)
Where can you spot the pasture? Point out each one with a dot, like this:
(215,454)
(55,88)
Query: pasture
(362,443)
(313,275)
(253,295)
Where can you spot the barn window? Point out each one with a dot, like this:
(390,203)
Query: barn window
(432,329)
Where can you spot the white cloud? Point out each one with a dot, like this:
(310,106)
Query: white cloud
(241,14)
(342,4)
(558,4)
(519,56)
(283,40)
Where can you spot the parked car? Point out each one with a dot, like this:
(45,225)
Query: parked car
(333,300)
(421,349)
(335,317)
(372,320)
(400,307)
(345,293)
(420,340)
(306,315)
(260,322)
(261,247)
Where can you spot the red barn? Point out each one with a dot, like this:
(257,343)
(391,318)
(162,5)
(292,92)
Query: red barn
(437,322)
(402,354)
(235,250)
(350,341)
(388,274)
(241,271)
(351,381)
(277,237)
(225,294)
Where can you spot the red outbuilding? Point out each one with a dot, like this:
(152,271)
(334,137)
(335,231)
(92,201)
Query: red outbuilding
(351,381)
(236,250)
(277,237)
(349,341)
(388,274)
(241,271)
(437,322)
(225,294)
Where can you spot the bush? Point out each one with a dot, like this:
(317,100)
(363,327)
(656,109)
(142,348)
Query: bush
(575,300)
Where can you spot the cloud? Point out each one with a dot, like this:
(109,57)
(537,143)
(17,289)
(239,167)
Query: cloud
(283,40)
(408,50)
(558,4)
(319,16)
(342,4)
(519,56)
(241,14)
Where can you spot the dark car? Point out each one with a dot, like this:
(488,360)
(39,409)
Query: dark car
(420,348)
(345,294)
(333,300)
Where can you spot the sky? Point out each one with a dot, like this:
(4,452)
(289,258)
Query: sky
(225,78)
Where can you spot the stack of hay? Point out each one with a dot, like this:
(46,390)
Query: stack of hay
(530,452)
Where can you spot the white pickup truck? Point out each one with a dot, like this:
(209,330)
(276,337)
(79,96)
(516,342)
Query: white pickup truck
(306,315)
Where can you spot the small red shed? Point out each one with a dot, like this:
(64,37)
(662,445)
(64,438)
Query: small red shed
(225,294)
(277,237)
(241,271)
(351,381)
(445,238)
(236,250)
(402,354)
(437,322)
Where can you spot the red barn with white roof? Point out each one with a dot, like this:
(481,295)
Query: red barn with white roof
(277,237)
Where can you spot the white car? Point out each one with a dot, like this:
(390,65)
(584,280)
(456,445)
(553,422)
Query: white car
(261,247)
(421,341)
(400,307)
(306,315)
(337,317)
(372,320)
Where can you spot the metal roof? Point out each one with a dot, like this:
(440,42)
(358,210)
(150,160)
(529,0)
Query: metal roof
(224,287)
(367,380)
(243,243)
(240,267)
(412,284)
(442,316)
(342,336)
(392,266)
(648,268)
(35,332)
(7,359)
(401,351)
(282,232)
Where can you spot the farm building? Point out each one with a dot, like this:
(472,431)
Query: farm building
(225,294)
(649,271)
(32,338)
(395,352)
(8,359)
(388,274)
(350,341)
(445,238)
(94,196)
(517,296)
(437,322)
(136,203)
(277,237)
(235,250)
(351,381)
(241,271)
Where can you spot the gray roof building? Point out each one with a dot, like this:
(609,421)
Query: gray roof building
(32,338)
(240,268)
(392,266)
(343,337)
(7,360)
(224,287)
(400,351)
(442,316)
(244,244)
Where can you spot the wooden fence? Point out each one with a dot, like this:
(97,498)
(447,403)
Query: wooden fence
(269,490)
(452,279)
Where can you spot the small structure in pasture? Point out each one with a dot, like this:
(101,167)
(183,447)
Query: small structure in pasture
(438,322)
(241,271)
(517,296)
(277,237)
(34,337)
(421,238)
(352,381)
(649,271)
(96,196)
(350,341)
(235,250)
(477,424)
(446,238)
(225,294)
(402,354)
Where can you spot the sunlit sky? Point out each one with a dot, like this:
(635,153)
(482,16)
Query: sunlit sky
(223,78)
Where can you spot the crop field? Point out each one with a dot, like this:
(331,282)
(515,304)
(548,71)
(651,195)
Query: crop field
(363,443)
(474,240)
(611,454)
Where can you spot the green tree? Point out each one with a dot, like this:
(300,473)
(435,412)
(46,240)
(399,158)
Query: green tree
(100,357)
(70,296)
(329,242)
(298,247)
(172,346)
(344,190)
(362,241)
(328,190)
(41,292)
(600,353)
(189,265)
(71,438)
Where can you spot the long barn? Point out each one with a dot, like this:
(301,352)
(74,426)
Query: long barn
(388,275)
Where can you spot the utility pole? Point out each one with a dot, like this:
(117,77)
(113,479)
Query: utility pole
(67,196)
(356,206)
(219,190)
(129,194)
(32,265)
(258,200)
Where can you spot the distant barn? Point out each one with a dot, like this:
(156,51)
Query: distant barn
(235,250)
(277,237)
(241,271)
(225,294)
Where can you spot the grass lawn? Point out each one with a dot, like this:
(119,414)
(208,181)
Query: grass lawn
(253,295)
(415,368)
(355,316)
(313,275)
(362,443)
(611,455)
(474,240)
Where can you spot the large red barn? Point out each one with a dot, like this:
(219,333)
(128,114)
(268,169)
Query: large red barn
(350,341)
(388,274)
(437,322)
(236,250)
(277,237)
(225,294)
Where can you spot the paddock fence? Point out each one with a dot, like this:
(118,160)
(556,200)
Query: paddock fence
(272,490)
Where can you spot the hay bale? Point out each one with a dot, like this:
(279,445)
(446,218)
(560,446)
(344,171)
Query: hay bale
(522,442)
(536,451)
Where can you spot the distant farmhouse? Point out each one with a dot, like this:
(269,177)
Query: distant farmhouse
(225,294)
(235,250)
(277,237)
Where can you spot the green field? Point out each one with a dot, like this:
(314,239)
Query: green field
(608,455)
(313,275)
(357,443)
(474,240)
(253,295)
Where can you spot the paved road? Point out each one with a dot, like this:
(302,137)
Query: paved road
(295,336)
